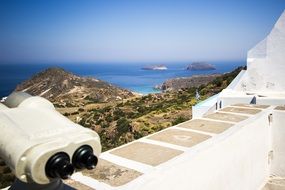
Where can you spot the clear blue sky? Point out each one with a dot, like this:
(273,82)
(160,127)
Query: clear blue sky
(133,30)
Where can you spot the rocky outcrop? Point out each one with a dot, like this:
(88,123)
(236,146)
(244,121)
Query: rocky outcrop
(66,89)
(200,66)
(186,82)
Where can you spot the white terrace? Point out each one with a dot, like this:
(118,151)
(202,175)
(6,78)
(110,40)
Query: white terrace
(235,141)
(232,148)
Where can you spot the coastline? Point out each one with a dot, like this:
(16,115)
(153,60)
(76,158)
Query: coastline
(133,78)
(3,98)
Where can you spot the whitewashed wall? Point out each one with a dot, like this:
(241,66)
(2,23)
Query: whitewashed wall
(231,99)
(236,160)
(278,145)
(266,62)
(270,100)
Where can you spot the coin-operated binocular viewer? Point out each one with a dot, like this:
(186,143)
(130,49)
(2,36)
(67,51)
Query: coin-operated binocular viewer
(41,146)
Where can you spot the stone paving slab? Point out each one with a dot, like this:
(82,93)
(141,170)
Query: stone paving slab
(74,185)
(226,117)
(179,137)
(281,108)
(206,125)
(147,153)
(275,184)
(270,186)
(252,106)
(111,173)
(241,110)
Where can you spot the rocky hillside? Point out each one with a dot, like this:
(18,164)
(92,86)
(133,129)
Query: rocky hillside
(6,175)
(200,66)
(186,82)
(65,89)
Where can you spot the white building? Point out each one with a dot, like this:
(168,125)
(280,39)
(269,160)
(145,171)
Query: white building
(264,80)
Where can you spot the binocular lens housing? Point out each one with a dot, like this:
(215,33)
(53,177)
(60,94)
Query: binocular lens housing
(84,158)
(59,166)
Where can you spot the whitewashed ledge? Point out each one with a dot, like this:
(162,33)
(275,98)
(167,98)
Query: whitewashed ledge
(229,149)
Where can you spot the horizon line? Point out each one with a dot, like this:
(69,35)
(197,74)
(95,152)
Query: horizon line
(116,62)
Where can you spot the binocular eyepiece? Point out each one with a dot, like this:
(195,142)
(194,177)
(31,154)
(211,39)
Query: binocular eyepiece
(84,158)
(60,166)
(42,152)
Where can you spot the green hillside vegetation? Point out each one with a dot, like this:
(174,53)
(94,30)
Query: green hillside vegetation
(128,120)
(6,176)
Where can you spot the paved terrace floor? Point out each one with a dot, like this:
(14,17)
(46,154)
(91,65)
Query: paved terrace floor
(129,162)
(275,183)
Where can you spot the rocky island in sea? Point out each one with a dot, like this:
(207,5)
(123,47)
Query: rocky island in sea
(155,67)
(175,84)
(200,66)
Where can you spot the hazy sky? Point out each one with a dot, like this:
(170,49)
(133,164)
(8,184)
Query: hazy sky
(133,30)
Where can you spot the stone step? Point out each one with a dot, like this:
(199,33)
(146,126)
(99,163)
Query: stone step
(112,174)
(281,108)
(226,117)
(76,185)
(275,183)
(146,153)
(179,137)
(252,106)
(241,110)
(206,125)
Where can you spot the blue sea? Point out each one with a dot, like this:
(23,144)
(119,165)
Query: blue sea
(129,76)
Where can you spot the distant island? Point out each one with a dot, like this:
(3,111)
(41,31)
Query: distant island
(155,67)
(200,66)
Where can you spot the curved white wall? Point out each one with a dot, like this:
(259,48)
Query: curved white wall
(266,62)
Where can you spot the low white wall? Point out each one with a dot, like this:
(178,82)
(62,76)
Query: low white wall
(209,105)
(236,80)
(206,106)
(270,100)
(278,145)
(231,100)
(199,111)
(235,160)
